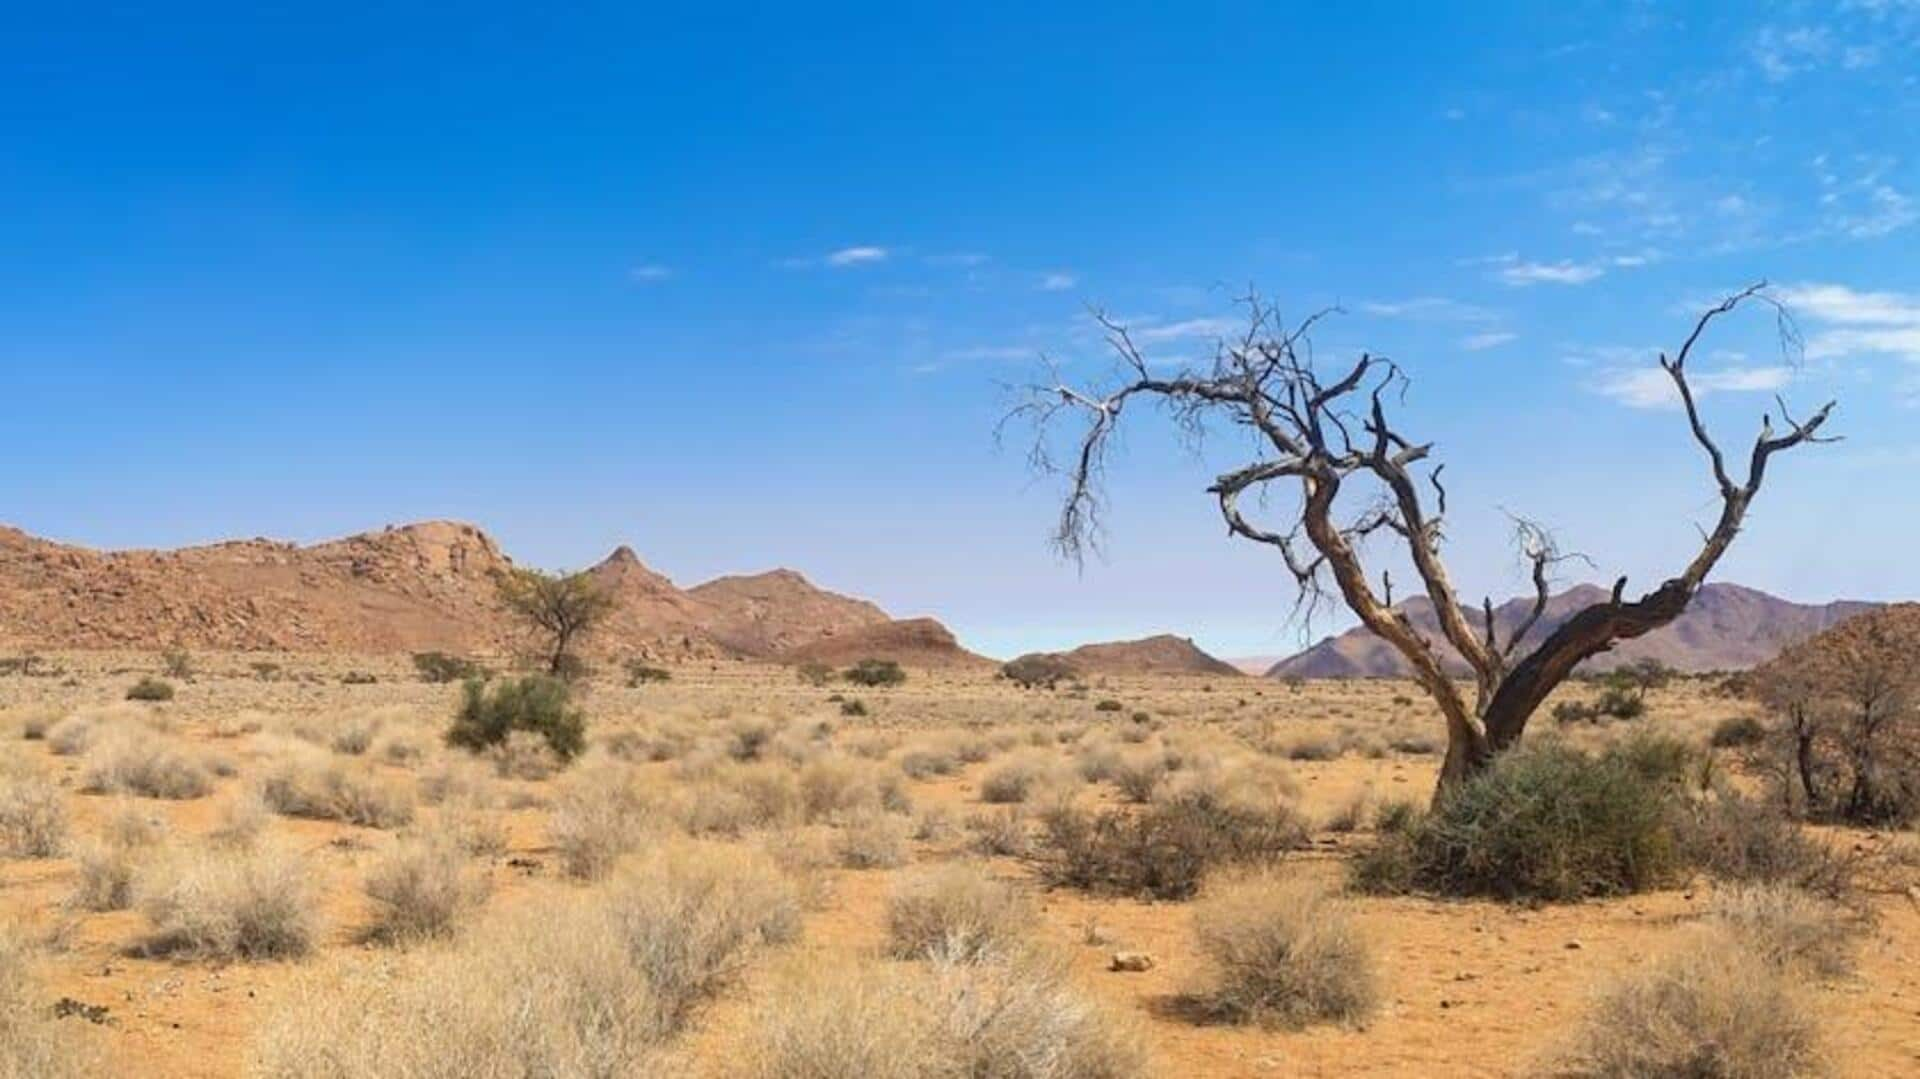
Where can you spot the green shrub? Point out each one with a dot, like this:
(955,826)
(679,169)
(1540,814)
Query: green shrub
(640,674)
(150,689)
(440,668)
(1164,850)
(875,672)
(851,706)
(536,703)
(814,673)
(1544,821)
(358,678)
(1108,705)
(1621,703)
(1737,731)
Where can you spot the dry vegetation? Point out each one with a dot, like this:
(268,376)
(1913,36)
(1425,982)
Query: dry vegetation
(299,876)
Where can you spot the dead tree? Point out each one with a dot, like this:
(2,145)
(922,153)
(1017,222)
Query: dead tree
(1316,438)
(560,608)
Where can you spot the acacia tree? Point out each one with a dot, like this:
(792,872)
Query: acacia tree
(561,608)
(1849,704)
(1317,437)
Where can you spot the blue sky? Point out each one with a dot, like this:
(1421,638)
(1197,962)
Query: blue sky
(742,289)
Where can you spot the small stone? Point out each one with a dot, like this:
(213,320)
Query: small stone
(1131,962)
(1574,945)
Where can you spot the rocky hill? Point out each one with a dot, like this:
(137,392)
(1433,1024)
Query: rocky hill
(912,642)
(412,587)
(1163,654)
(1726,627)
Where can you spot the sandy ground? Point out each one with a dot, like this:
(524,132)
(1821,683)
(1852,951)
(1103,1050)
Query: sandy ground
(1472,988)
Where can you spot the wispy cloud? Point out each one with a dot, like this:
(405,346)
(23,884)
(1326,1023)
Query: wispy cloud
(1427,309)
(1854,323)
(856,256)
(1480,342)
(1649,386)
(1058,282)
(648,273)
(964,259)
(1186,329)
(1564,272)
(1782,53)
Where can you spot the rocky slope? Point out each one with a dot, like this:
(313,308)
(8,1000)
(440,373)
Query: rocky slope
(405,588)
(1727,627)
(912,642)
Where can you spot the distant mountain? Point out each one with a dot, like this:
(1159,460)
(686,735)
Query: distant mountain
(1164,654)
(1253,664)
(1726,627)
(412,587)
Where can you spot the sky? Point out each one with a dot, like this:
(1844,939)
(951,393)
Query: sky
(747,288)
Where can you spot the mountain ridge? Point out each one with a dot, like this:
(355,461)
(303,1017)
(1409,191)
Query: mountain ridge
(1727,626)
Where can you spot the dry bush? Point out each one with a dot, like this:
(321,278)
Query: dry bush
(1709,1009)
(1789,928)
(545,990)
(831,786)
(36,723)
(1164,850)
(1021,778)
(71,736)
(355,734)
(33,815)
(1737,839)
(693,913)
(402,749)
(1003,833)
(241,819)
(1140,775)
(105,873)
(956,912)
(934,823)
(33,1043)
(1020,1020)
(422,888)
(136,761)
(477,831)
(457,779)
(1098,759)
(319,787)
(1282,952)
(599,816)
(926,761)
(221,903)
(872,839)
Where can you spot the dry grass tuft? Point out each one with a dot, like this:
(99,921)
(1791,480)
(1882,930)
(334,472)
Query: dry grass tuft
(33,815)
(1709,1009)
(956,912)
(1282,952)
(1789,928)
(34,1044)
(422,888)
(134,760)
(545,990)
(319,787)
(939,1021)
(873,840)
(600,816)
(224,904)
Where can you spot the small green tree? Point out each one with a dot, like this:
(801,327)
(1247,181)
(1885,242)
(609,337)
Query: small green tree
(538,703)
(560,608)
